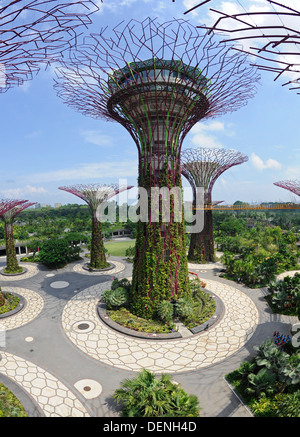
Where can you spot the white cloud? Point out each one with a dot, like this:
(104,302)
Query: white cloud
(114,169)
(259,164)
(23,191)
(96,137)
(204,135)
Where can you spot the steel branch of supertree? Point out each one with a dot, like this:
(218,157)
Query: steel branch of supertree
(36,31)
(8,217)
(94,194)
(202,166)
(291,185)
(157,80)
(7,204)
(278,41)
(10,214)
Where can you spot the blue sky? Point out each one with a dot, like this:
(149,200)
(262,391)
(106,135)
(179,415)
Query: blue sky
(46,144)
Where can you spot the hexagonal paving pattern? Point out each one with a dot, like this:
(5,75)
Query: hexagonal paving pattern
(177,355)
(53,397)
(28,313)
(32,270)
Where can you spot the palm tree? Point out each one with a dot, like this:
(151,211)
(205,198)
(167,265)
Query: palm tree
(146,396)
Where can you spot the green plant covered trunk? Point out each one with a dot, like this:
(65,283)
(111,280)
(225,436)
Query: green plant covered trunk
(98,258)
(202,243)
(160,270)
(12,265)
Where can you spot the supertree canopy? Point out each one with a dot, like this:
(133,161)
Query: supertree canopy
(202,167)
(34,31)
(95,195)
(8,218)
(291,185)
(270,33)
(157,80)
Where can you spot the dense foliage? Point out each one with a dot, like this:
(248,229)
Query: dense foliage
(57,252)
(160,267)
(255,256)
(8,302)
(285,295)
(10,406)
(270,382)
(147,396)
(193,310)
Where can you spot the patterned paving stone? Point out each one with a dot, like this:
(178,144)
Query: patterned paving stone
(53,397)
(208,266)
(33,307)
(284,274)
(32,270)
(237,325)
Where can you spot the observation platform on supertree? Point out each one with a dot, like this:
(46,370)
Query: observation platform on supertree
(158,97)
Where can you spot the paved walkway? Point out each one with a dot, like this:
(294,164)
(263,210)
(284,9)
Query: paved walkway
(68,362)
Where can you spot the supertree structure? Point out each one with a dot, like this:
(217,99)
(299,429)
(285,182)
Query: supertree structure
(202,167)
(95,195)
(274,31)
(35,31)
(157,80)
(8,218)
(291,185)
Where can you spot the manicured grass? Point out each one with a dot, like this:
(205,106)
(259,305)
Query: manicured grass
(118,248)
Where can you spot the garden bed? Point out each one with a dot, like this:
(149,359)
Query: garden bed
(206,311)
(12,304)
(10,406)
(21,271)
(269,384)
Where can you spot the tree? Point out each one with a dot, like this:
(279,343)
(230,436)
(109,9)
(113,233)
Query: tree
(57,252)
(8,217)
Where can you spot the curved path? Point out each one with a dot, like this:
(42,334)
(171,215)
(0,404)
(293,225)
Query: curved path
(32,270)
(32,308)
(69,362)
(290,273)
(54,398)
(108,346)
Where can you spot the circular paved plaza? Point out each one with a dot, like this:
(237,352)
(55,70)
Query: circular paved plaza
(68,362)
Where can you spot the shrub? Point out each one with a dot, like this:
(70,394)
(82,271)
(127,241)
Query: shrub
(165,311)
(57,252)
(115,298)
(147,396)
(184,307)
(124,283)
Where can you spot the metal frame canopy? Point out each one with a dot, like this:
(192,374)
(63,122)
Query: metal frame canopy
(272,32)
(157,80)
(202,167)
(291,185)
(95,195)
(8,218)
(36,31)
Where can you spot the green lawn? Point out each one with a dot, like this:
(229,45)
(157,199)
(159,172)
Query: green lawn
(118,248)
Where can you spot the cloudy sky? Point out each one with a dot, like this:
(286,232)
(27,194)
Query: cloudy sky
(46,144)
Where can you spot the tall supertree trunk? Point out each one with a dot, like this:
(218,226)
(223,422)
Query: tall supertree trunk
(12,265)
(202,243)
(160,269)
(98,258)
